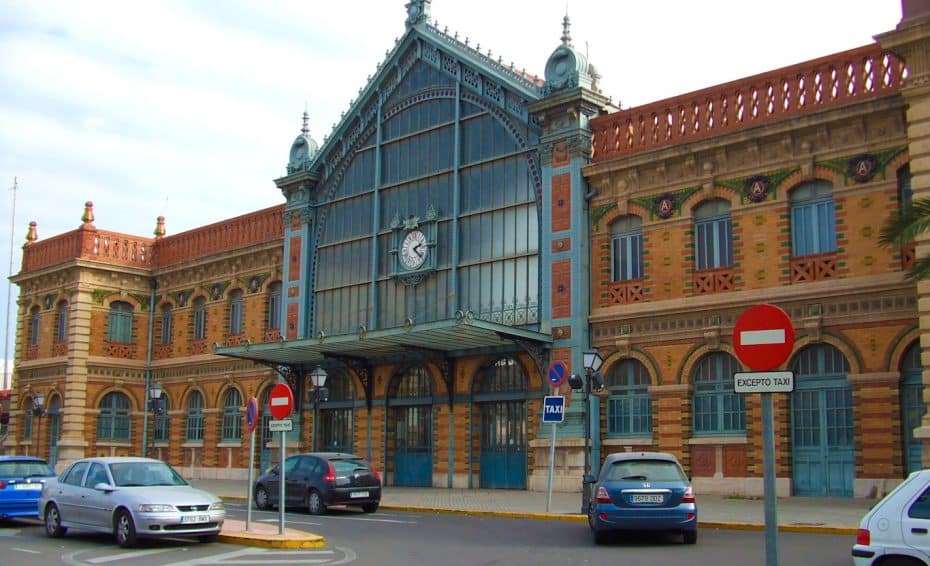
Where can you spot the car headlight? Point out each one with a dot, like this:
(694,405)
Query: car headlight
(155,508)
(217,506)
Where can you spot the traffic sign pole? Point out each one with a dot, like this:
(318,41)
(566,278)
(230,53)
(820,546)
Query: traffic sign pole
(281,487)
(551,466)
(280,403)
(248,502)
(763,339)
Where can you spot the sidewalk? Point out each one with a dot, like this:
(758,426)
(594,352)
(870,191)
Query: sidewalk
(797,514)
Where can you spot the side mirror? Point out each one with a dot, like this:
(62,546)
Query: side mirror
(590,478)
(104,487)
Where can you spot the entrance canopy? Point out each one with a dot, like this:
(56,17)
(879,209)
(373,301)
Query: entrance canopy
(453,337)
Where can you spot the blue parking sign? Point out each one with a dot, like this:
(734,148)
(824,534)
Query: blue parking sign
(553,409)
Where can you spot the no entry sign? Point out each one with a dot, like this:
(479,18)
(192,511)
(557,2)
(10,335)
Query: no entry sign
(763,337)
(280,401)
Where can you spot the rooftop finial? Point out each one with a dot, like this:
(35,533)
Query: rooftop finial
(566,33)
(88,216)
(32,235)
(160,227)
(306,127)
(418,11)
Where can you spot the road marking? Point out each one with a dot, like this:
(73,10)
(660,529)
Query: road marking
(127,555)
(265,556)
(29,551)
(759,337)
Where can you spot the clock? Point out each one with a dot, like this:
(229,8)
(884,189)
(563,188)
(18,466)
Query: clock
(413,249)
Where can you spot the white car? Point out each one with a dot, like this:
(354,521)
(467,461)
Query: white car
(131,498)
(896,531)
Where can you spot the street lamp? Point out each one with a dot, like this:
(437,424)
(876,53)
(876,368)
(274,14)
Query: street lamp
(592,364)
(38,409)
(318,395)
(155,391)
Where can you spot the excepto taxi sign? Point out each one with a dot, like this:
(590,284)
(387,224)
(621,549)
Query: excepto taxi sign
(763,382)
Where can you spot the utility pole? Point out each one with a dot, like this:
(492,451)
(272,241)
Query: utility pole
(9,290)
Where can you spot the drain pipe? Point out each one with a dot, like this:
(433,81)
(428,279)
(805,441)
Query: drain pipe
(148,369)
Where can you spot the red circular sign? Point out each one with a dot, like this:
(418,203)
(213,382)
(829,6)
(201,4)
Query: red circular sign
(558,371)
(763,337)
(280,401)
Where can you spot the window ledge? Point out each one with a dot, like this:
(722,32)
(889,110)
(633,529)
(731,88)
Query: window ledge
(193,444)
(115,443)
(628,441)
(229,444)
(735,439)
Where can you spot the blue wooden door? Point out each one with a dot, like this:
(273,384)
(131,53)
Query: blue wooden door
(912,406)
(503,445)
(413,446)
(823,455)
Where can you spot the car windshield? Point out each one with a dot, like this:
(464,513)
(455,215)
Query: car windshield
(135,474)
(350,466)
(24,469)
(645,470)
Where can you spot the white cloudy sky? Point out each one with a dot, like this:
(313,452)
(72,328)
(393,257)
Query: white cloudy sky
(187,108)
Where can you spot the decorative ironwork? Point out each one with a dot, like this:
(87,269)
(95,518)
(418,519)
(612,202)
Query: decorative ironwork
(817,267)
(537,350)
(362,369)
(714,280)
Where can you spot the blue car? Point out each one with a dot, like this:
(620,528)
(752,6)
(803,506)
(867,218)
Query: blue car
(642,491)
(21,481)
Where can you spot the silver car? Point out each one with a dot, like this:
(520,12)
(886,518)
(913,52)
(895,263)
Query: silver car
(131,498)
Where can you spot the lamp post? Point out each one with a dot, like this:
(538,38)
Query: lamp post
(155,391)
(317,395)
(592,365)
(38,409)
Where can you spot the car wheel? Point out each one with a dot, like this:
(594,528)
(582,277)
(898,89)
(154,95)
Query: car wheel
(690,536)
(901,561)
(315,504)
(53,526)
(370,507)
(601,537)
(208,538)
(591,516)
(261,498)
(124,529)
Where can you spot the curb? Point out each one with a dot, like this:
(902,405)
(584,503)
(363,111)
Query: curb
(579,518)
(308,541)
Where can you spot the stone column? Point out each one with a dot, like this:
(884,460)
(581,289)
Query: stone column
(911,41)
(76,420)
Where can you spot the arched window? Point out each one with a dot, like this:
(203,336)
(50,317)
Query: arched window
(626,248)
(61,327)
(629,404)
(34,322)
(504,376)
(232,415)
(167,323)
(236,312)
(200,318)
(120,323)
(905,193)
(274,306)
(195,416)
(113,422)
(813,219)
(717,409)
(336,414)
(27,418)
(713,237)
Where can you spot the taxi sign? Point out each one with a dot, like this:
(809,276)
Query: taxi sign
(553,409)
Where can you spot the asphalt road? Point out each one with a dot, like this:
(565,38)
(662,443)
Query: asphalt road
(390,538)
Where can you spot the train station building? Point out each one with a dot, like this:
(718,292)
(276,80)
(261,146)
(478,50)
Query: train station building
(466,228)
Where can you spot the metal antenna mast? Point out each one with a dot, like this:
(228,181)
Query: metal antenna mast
(9,290)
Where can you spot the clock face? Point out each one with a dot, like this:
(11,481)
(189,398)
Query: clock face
(413,250)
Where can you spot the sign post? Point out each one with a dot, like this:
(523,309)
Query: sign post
(763,339)
(553,412)
(281,402)
(251,417)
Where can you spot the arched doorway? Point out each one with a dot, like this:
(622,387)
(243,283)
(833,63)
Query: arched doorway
(823,454)
(265,435)
(336,425)
(500,394)
(411,410)
(912,405)
(54,429)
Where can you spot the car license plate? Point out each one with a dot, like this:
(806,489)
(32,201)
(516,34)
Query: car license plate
(195,518)
(648,498)
(27,486)
(357,494)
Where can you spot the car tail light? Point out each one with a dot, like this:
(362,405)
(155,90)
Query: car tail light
(602,495)
(688,497)
(2,484)
(864,537)
(330,476)
(376,474)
